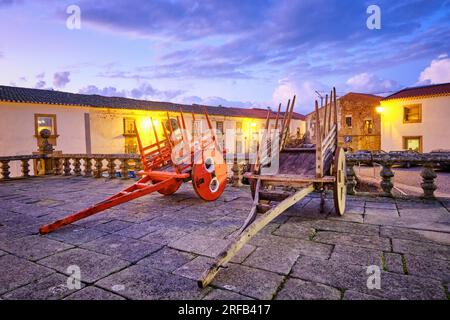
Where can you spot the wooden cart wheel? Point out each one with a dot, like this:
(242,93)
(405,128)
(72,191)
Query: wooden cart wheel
(252,182)
(167,191)
(209,178)
(340,185)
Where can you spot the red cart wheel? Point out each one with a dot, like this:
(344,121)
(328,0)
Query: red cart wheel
(209,178)
(167,191)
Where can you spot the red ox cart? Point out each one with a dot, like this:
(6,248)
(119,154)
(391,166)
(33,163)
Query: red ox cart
(168,162)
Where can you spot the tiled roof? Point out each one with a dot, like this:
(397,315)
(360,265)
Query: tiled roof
(442,89)
(26,95)
(361,95)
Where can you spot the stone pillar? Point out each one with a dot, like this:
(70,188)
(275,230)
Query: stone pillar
(111,168)
(98,167)
(77,166)
(25,168)
(5,169)
(351,178)
(387,174)
(428,175)
(87,167)
(124,169)
(57,168)
(66,167)
(237,173)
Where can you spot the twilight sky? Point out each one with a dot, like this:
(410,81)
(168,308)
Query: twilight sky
(251,53)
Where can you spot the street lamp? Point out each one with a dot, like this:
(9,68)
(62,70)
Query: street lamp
(379,109)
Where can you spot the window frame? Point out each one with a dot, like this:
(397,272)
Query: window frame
(406,138)
(125,121)
(43,115)
(419,106)
(351,121)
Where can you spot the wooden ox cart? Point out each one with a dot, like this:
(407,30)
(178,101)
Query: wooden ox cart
(200,161)
(301,171)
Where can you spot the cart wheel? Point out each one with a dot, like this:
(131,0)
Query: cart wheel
(340,185)
(167,191)
(252,182)
(209,178)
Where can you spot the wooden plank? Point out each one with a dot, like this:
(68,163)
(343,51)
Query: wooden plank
(319,172)
(325,126)
(329,138)
(245,236)
(253,211)
(335,114)
(278,116)
(288,178)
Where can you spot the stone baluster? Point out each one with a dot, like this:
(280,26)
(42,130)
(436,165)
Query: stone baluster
(5,169)
(124,168)
(351,178)
(57,166)
(237,173)
(87,167)
(25,168)
(387,174)
(77,166)
(66,167)
(428,175)
(111,168)
(98,167)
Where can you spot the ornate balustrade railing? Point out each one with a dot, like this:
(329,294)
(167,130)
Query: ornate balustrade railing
(112,166)
(428,161)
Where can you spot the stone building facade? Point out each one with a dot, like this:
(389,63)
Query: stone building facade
(359,124)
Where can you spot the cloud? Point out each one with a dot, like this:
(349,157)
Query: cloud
(219,101)
(40,84)
(233,38)
(60,79)
(304,90)
(371,83)
(106,91)
(144,91)
(437,72)
(40,75)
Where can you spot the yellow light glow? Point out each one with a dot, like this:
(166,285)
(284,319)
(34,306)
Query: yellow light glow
(155,122)
(146,123)
(379,109)
(253,124)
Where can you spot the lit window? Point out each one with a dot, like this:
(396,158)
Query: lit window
(45,121)
(219,126)
(412,143)
(412,113)
(368,126)
(348,121)
(129,126)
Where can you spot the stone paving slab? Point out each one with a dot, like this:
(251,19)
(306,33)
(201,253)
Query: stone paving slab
(33,247)
(93,265)
(93,293)
(20,272)
(296,289)
(122,247)
(53,287)
(156,247)
(142,282)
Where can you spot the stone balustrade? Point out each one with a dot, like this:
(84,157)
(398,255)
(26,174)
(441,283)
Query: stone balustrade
(428,161)
(87,165)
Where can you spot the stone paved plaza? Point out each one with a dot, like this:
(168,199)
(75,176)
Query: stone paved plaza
(156,247)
